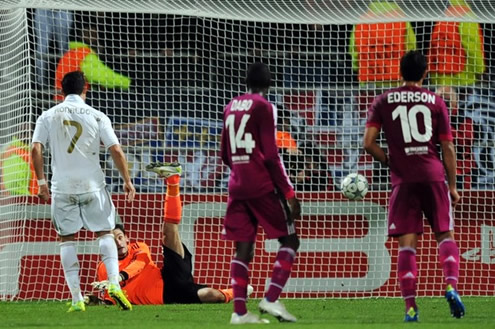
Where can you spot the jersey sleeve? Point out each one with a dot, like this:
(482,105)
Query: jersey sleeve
(444,129)
(266,121)
(374,117)
(107,133)
(140,258)
(40,134)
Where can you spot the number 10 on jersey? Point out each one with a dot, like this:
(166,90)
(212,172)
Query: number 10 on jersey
(239,139)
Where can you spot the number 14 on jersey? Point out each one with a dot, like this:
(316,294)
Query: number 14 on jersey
(239,139)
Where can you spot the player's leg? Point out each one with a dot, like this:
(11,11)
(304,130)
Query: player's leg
(179,285)
(171,237)
(108,252)
(109,256)
(280,274)
(438,211)
(67,222)
(239,273)
(407,273)
(405,220)
(273,214)
(282,267)
(70,265)
(172,209)
(240,226)
(449,259)
(98,215)
(172,215)
(212,295)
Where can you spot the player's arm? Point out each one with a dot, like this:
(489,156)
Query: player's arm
(111,142)
(370,145)
(223,148)
(38,163)
(373,126)
(449,161)
(141,258)
(40,136)
(272,159)
(120,161)
(448,151)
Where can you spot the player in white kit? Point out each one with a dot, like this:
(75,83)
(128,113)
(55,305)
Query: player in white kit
(73,131)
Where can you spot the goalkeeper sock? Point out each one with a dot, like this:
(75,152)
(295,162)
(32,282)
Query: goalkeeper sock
(173,205)
(449,258)
(228,294)
(406,266)
(70,264)
(239,280)
(281,272)
(108,251)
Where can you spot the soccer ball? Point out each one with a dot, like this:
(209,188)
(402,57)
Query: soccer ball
(354,186)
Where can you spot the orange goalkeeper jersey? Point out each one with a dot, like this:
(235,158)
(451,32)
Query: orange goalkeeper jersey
(145,283)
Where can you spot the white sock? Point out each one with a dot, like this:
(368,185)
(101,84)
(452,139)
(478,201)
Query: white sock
(108,251)
(70,263)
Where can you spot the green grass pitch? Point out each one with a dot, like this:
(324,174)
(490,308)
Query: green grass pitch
(379,313)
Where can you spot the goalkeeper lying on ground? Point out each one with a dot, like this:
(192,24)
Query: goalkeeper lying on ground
(143,281)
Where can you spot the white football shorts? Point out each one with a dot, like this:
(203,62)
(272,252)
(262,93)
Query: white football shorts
(94,211)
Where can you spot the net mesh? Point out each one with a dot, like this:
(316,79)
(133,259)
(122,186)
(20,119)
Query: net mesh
(164,71)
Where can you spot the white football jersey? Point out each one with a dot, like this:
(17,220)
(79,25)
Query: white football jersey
(73,131)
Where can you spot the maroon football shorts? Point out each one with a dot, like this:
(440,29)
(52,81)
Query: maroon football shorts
(243,216)
(408,203)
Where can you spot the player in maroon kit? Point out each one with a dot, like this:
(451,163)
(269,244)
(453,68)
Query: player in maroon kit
(259,193)
(415,120)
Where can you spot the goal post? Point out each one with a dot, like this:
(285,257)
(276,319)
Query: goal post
(164,70)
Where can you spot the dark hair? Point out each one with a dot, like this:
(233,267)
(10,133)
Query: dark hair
(73,83)
(258,77)
(413,65)
(119,227)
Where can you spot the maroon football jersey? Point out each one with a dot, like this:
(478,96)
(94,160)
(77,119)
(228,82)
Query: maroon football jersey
(249,148)
(414,120)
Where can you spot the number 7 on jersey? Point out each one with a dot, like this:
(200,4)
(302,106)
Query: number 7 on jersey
(76,136)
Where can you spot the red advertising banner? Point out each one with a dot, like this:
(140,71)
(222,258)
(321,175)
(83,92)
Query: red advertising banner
(344,248)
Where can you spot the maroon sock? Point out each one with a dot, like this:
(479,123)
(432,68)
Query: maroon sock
(239,281)
(407,270)
(449,258)
(281,272)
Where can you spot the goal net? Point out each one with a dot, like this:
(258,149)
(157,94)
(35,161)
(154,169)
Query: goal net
(164,70)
